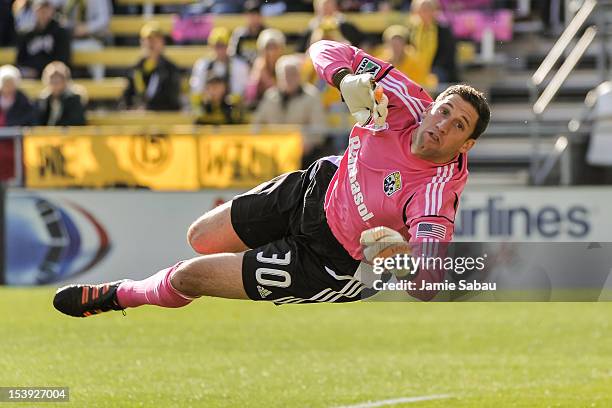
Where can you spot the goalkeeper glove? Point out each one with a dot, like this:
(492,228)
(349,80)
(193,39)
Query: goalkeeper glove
(383,242)
(358,94)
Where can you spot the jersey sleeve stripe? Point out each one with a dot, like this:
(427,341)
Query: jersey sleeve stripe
(441,189)
(397,93)
(434,192)
(404,88)
(428,191)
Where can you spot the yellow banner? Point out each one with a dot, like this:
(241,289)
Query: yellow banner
(245,161)
(158,161)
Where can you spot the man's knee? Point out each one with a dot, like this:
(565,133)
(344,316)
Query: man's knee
(197,237)
(187,279)
(213,232)
(211,275)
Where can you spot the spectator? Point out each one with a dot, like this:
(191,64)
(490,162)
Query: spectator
(326,10)
(46,42)
(59,104)
(292,101)
(244,39)
(154,82)
(234,70)
(24,15)
(433,41)
(89,21)
(405,57)
(217,106)
(270,46)
(15,108)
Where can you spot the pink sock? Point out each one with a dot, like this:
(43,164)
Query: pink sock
(155,290)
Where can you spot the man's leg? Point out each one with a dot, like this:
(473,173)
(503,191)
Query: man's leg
(217,275)
(255,218)
(213,232)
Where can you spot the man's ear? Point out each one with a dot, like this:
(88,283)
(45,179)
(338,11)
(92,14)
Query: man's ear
(467,145)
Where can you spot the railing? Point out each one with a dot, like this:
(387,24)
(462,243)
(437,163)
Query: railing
(540,103)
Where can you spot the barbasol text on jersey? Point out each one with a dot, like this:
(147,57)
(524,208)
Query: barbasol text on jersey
(354,146)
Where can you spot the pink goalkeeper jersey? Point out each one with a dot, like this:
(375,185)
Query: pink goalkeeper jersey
(379,181)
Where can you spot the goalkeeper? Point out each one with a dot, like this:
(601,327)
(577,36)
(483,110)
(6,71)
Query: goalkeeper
(300,237)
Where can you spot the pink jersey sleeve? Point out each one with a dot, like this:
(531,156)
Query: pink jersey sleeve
(430,216)
(430,213)
(407,100)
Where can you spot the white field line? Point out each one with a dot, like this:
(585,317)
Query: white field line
(395,401)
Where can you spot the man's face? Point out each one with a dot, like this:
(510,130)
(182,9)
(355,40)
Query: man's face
(327,8)
(152,45)
(221,50)
(397,44)
(44,14)
(427,13)
(216,90)
(254,19)
(8,88)
(273,51)
(290,81)
(57,83)
(445,130)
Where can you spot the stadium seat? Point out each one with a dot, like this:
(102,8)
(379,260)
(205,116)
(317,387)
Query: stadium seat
(106,89)
(139,118)
(292,23)
(131,25)
(7,55)
(123,57)
(289,23)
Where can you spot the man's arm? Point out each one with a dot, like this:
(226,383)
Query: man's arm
(335,62)
(354,73)
(429,239)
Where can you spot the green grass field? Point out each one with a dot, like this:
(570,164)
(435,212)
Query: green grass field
(218,353)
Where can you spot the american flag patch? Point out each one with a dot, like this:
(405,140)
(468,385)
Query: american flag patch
(430,230)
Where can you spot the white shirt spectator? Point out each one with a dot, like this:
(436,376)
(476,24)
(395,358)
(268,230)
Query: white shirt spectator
(236,71)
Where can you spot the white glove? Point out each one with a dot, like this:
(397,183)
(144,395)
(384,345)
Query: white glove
(358,93)
(382,242)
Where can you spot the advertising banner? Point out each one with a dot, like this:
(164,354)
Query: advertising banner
(538,214)
(158,161)
(155,161)
(228,161)
(96,236)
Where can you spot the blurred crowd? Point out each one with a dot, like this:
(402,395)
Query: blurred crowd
(255,74)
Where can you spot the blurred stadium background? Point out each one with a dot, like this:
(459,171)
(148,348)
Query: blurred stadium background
(122,121)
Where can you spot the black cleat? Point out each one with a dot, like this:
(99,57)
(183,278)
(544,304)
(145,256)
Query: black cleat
(87,300)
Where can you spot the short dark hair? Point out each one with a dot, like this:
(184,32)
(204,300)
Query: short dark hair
(478,101)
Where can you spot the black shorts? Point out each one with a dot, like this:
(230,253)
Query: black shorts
(295,257)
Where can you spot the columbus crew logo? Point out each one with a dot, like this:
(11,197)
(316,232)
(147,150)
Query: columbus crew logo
(392,183)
